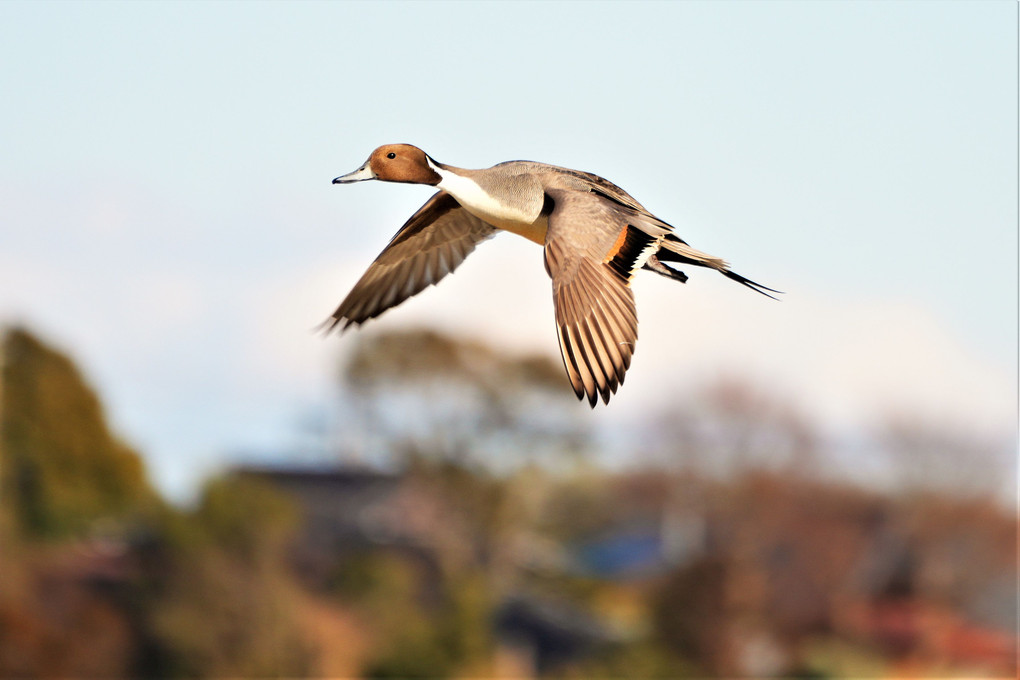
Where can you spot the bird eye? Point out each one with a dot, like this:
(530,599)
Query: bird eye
(391,155)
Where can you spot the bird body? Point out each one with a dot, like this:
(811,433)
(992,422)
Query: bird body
(511,201)
(596,237)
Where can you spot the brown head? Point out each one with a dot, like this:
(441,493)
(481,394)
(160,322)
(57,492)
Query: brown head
(394,163)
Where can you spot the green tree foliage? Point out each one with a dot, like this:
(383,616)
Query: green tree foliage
(221,601)
(418,638)
(62,468)
(248,518)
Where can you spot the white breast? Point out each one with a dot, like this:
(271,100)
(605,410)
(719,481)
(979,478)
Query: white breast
(486,207)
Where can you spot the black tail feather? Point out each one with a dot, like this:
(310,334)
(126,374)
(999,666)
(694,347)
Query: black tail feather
(672,256)
(756,287)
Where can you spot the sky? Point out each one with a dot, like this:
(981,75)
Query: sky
(167,217)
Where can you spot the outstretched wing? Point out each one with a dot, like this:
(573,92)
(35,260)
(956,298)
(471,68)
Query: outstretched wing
(429,246)
(591,253)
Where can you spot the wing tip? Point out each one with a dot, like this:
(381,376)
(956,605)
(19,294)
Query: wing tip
(330,324)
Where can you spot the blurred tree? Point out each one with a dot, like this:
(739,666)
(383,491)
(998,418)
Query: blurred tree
(576,508)
(61,468)
(421,628)
(247,518)
(732,427)
(690,616)
(219,600)
(52,624)
(429,393)
(424,355)
(640,659)
(416,639)
(927,458)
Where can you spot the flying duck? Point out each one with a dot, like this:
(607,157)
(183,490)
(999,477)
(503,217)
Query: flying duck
(595,236)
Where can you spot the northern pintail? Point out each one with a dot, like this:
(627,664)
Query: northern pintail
(595,235)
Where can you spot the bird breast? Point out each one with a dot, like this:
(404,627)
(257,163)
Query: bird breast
(511,209)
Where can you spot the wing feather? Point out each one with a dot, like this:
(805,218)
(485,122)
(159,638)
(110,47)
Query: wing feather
(589,377)
(430,245)
(596,319)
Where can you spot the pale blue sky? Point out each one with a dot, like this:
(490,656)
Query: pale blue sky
(166,213)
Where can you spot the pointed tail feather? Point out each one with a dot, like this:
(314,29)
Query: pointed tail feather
(672,249)
(756,287)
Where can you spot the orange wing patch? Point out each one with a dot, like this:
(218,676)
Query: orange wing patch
(620,240)
(629,252)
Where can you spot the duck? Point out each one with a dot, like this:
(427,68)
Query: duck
(595,236)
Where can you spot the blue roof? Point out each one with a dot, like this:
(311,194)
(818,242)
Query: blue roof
(619,555)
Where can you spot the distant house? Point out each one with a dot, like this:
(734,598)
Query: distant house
(623,554)
(642,550)
(545,634)
(655,532)
(349,511)
(343,507)
(353,511)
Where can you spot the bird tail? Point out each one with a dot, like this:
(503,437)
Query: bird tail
(673,249)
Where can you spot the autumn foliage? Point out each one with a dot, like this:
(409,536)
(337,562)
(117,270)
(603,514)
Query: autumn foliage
(723,549)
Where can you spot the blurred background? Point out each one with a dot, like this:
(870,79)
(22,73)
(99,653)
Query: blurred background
(193,483)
